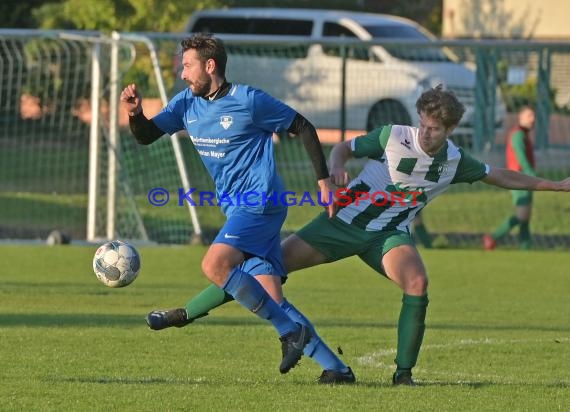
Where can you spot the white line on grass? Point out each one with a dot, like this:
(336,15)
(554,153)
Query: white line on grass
(373,359)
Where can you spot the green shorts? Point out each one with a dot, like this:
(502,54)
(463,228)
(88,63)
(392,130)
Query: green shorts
(521,197)
(338,240)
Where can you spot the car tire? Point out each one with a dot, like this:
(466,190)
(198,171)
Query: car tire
(387,112)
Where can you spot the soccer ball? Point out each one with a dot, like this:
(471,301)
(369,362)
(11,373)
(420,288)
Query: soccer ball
(116,264)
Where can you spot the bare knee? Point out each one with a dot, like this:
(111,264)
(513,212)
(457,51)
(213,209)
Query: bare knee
(404,266)
(210,267)
(219,261)
(416,285)
(215,270)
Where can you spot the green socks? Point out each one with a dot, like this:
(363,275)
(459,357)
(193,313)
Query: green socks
(524,236)
(411,328)
(505,227)
(208,299)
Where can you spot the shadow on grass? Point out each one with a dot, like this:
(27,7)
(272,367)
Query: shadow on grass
(69,320)
(149,380)
(420,384)
(110,319)
(480,385)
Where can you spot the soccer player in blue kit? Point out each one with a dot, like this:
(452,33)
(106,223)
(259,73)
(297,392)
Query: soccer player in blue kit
(231,126)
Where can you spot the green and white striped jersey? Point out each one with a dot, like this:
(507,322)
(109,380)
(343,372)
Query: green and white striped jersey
(399,178)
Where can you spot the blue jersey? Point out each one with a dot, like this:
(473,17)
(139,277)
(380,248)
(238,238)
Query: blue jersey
(233,135)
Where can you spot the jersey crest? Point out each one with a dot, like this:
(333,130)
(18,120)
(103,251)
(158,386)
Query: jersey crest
(226,122)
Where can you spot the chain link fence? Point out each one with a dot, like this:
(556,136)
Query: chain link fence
(54,106)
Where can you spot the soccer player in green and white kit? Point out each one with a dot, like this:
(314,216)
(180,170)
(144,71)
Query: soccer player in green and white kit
(409,166)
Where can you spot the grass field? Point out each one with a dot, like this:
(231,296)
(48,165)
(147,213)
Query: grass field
(497,338)
(476,211)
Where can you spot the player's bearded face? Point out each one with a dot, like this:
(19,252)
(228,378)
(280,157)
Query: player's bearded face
(201,86)
(194,74)
(432,134)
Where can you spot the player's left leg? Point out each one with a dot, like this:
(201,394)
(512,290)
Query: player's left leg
(404,266)
(295,252)
(334,370)
(397,258)
(255,235)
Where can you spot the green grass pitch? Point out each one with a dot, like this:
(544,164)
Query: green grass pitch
(497,337)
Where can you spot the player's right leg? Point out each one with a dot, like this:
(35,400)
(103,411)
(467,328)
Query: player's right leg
(299,254)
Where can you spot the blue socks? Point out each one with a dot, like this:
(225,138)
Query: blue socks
(248,292)
(316,348)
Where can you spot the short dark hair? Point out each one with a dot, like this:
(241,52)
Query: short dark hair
(441,105)
(208,47)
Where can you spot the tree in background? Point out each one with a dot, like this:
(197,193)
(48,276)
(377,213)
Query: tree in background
(171,15)
(119,15)
(16,14)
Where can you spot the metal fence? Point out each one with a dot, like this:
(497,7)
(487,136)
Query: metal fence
(68,162)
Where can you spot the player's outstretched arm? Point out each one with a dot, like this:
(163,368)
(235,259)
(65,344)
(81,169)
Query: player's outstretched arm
(510,179)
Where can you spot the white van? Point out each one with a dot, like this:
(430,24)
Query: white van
(382,83)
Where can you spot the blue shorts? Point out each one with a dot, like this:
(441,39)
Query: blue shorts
(259,238)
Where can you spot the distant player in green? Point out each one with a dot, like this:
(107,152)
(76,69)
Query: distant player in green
(408,166)
(519,155)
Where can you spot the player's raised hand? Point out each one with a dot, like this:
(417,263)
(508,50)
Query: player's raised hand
(131,99)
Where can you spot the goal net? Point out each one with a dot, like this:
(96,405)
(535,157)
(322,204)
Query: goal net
(67,162)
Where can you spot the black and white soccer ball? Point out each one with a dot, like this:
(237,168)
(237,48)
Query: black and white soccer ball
(116,263)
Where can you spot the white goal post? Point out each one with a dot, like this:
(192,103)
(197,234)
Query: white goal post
(65,161)
(115,86)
